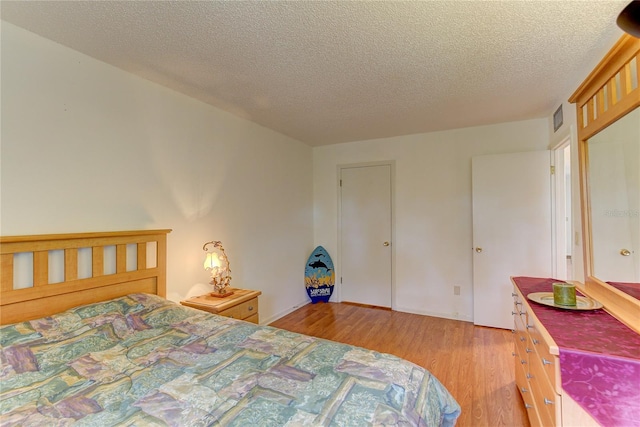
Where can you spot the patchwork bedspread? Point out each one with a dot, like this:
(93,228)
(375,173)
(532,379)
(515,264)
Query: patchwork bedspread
(141,360)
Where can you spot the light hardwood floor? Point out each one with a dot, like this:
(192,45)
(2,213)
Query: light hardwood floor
(474,363)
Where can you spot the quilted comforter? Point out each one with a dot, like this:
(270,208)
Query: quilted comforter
(141,360)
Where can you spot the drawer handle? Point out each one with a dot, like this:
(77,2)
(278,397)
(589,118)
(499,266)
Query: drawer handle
(546,362)
(522,339)
(513,313)
(528,350)
(250,308)
(526,405)
(524,390)
(529,376)
(513,294)
(518,303)
(523,362)
(535,341)
(513,353)
(529,326)
(548,402)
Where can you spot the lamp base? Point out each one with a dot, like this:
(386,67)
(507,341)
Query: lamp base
(221,295)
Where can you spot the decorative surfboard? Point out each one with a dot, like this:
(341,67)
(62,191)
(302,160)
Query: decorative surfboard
(319,275)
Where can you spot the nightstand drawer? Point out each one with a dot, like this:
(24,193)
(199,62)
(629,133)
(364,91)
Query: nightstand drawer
(253,319)
(241,304)
(242,311)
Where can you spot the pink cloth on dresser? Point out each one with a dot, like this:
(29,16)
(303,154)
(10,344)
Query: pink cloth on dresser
(599,357)
(608,388)
(632,289)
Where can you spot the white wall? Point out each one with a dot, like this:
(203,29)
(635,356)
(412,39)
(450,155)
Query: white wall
(88,147)
(433,222)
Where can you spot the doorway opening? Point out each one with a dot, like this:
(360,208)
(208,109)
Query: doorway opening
(562,236)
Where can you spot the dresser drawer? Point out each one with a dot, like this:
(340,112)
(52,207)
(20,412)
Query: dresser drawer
(519,317)
(518,306)
(547,401)
(522,382)
(521,335)
(523,348)
(549,363)
(242,311)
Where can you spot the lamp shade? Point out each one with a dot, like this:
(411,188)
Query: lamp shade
(629,19)
(212,261)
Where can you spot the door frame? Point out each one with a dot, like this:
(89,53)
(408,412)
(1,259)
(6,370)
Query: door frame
(339,168)
(558,211)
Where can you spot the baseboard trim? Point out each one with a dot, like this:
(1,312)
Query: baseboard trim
(451,316)
(283,313)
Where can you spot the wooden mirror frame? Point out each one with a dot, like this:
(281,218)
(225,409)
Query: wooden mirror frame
(598,106)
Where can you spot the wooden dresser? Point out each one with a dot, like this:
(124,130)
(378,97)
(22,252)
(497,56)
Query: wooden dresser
(243,304)
(537,365)
(573,367)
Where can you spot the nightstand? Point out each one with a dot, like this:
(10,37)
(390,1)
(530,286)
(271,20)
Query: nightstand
(243,304)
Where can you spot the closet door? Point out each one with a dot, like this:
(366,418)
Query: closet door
(365,235)
(511,229)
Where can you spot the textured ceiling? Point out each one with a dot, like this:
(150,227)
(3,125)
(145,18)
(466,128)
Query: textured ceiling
(326,72)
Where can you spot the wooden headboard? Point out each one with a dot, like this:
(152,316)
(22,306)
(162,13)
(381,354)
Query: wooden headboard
(67,270)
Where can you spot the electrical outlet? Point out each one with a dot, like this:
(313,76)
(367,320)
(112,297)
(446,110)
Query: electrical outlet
(456,290)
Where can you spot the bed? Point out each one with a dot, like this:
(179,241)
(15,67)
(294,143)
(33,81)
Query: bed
(103,347)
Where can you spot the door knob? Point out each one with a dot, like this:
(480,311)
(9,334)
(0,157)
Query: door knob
(478,249)
(386,244)
(625,252)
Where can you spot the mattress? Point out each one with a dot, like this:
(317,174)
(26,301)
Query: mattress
(143,360)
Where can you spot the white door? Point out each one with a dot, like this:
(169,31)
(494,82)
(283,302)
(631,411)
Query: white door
(614,206)
(365,235)
(511,229)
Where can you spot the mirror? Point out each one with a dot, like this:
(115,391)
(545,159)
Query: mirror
(608,120)
(614,194)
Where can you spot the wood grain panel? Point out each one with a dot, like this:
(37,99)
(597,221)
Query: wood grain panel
(242,311)
(6,272)
(11,244)
(27,310)
(618,56)
(142,256)
(97,261)
(161,265)
(70,264)
(26,294)
(40,268)
(616,62)
(121,258)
